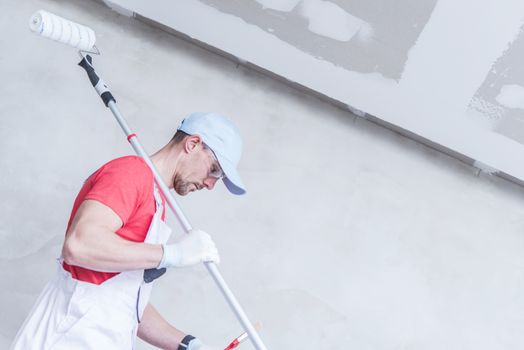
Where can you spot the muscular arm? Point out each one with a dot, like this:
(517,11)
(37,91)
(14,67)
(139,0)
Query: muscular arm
(155,330)
(91,242)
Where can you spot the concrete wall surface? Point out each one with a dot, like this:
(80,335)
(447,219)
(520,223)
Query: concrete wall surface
(350,237)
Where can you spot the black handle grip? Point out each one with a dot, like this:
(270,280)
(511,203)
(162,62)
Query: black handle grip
(98,84)
(87,64)
(152,274)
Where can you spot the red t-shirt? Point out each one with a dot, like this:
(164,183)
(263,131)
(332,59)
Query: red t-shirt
(126,186)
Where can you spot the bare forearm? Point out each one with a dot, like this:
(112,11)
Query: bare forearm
(92,242)
(100,249)
(155,330)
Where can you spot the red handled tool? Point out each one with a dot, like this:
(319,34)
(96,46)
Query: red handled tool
(236,342)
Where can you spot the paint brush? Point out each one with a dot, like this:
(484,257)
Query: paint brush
(236,342)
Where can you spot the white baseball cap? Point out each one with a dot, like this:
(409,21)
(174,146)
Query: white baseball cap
(219,134)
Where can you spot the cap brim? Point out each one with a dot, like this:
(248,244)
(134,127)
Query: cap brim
(232,178)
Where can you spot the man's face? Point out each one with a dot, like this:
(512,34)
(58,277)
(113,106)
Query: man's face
(198,170)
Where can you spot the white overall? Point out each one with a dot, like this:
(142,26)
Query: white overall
(71,314)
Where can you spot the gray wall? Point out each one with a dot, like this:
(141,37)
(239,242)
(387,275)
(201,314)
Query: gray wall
(351,236)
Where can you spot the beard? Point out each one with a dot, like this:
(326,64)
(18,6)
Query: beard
(181,186)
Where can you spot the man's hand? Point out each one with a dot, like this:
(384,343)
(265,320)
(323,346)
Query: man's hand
(196,344)
(194,248)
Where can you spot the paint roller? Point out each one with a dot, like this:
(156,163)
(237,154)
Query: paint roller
(83,38)
(62,30)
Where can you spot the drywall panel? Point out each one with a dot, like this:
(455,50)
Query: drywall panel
(415,64)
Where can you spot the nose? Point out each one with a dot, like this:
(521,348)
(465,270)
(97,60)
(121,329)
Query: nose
(210,182)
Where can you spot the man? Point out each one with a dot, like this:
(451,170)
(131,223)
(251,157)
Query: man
(99,299)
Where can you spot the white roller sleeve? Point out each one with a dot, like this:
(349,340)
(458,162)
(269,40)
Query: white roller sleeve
(62,30)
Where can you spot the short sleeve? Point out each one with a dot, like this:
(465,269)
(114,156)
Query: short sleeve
(120,185)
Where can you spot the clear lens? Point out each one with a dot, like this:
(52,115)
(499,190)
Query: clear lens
(215,171)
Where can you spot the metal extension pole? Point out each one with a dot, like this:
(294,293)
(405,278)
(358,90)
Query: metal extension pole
(108,99)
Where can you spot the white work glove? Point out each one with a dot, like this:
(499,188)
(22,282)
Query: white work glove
(195,247)
(196,344)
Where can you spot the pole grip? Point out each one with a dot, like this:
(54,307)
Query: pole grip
(99,85)
(87,64)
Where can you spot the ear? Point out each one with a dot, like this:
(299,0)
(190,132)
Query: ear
(191,143)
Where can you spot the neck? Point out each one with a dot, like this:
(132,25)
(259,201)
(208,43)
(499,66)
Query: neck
(165,161)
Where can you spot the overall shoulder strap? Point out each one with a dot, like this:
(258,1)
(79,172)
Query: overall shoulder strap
(158,197)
